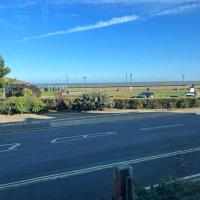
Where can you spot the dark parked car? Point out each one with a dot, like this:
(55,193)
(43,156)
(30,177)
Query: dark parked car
(145,95)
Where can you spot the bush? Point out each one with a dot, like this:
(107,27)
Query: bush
(51,104)
(27,92)
(36,105)
(93,101)
(19,105)
(7,106)
(68,104)
(162,103)
(170,191)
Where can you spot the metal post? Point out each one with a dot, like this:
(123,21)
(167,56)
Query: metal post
(131,79)
(126,79)
(84,78)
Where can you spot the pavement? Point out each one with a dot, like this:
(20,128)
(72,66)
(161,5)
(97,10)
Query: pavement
(72,157)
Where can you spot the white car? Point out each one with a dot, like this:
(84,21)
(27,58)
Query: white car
(190,94)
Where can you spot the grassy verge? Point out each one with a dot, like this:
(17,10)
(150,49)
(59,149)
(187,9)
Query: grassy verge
(124,92)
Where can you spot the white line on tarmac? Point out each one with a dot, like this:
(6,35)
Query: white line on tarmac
(92,169)
(82,137)
(161,127)
(9,147)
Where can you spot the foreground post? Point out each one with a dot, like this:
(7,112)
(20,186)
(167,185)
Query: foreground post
(123,182)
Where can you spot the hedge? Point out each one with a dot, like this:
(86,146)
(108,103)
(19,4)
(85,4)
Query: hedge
(93,101)
(178,190)
(19,105)
(162,103)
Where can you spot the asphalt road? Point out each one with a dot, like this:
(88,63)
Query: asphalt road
(73,157)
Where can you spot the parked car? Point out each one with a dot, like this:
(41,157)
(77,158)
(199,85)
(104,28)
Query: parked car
(145,95)
(190,94)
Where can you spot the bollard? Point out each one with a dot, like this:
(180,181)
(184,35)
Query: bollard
(123,175)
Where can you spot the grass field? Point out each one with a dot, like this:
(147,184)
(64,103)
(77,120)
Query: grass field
(125,92)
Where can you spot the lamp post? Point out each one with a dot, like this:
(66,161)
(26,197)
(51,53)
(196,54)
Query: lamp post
(131,81)
(84,79)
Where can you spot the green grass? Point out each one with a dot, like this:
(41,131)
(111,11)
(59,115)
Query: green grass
(124,92)
(47,94)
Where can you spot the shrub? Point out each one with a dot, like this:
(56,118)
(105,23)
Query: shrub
(162,103)
(27,92)
(68,104)
(93,101)
(51,104)
(7,106)
(120,104)
(173,190)
(36,105)
(19,105)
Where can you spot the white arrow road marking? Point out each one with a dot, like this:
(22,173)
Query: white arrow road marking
(92,169)
(82,137)
(9,147)
(161,127)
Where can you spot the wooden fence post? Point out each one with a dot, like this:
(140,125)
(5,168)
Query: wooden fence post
(123,176)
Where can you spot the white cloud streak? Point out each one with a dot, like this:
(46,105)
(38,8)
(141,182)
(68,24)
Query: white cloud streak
(98,25)
(117,20)
(178,9)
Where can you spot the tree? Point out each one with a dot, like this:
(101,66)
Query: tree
(3,72)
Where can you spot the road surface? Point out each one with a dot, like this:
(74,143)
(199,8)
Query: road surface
(73,157)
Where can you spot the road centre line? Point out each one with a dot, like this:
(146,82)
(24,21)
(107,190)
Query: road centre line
(161,127)
(91,169)
(9,147)
(82,137)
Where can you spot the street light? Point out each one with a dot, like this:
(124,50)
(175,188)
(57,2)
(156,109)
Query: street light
(131,79)
(84,79)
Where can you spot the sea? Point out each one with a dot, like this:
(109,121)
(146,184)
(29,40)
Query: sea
(120,84)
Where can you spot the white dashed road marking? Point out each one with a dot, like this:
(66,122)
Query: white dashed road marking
(161,127)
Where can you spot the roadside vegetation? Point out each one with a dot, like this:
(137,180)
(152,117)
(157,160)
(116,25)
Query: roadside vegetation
(19,105)
(178,190)
(86,99)
(87,102)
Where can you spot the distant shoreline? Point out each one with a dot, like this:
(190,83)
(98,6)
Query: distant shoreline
(121,84)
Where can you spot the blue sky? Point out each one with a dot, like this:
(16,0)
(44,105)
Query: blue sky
(47,40)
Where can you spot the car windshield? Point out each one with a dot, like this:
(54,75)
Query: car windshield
(99,99)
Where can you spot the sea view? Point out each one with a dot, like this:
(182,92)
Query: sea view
(121,84)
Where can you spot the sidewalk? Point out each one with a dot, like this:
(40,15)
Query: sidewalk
(57,115)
